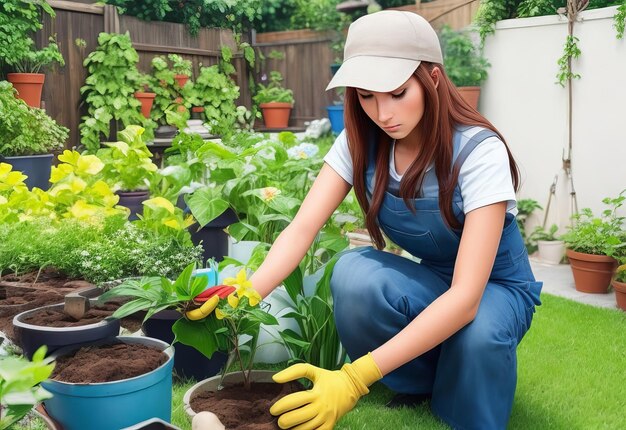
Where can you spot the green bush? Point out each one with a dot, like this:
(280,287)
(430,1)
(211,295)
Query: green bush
(273,91)
(25,130)
(463,61)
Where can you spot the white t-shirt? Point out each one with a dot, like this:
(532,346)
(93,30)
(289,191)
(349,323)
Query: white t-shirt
(484,178)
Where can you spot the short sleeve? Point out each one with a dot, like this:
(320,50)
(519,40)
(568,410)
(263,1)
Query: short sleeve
(338,158)
(485,177)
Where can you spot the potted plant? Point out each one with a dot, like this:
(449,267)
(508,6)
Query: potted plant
(275,101)
(590,241)
(464,63)
(618,251)
(182,69)
(145,97)
(20,388)
(19,20)
(551,247)
(242,317)
(170,316)
(28,137)
(111,384)
(128,168)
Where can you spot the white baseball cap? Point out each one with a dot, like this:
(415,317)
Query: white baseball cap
(383,49)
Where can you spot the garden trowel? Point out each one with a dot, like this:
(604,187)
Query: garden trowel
(77,302)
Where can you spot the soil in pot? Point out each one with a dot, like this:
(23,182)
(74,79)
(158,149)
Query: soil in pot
(241,409)
(107,363)
(19,293)
(58,318)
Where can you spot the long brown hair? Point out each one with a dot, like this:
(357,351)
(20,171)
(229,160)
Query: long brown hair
(444,109)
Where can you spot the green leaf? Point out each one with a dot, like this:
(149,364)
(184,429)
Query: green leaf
(206,204)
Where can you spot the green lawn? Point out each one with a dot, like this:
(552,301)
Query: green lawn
(572,369)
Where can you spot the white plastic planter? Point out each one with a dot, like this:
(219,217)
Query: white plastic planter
(551,252)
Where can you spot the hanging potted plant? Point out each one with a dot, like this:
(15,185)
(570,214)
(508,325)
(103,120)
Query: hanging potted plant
(275,101)
(128,168)
(29,136)
(551,247)
(19,21)
(464,63)
(589,242)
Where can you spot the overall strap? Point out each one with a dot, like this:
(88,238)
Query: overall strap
(472,144)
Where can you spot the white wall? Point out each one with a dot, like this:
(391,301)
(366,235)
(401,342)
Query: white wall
(523,101)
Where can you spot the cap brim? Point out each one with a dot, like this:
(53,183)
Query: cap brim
(380,74)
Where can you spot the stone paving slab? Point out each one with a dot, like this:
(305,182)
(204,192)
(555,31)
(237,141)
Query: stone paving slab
(559,281)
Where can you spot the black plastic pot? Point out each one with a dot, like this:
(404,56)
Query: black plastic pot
(212,236)
(133,200)
(36,167)
(165,132)
(30,337)
(188,361)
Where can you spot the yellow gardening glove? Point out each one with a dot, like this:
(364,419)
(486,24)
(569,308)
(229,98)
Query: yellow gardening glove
(334,393)
(204,310)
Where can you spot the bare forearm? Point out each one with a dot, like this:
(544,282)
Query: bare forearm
(285,254)
(444,317)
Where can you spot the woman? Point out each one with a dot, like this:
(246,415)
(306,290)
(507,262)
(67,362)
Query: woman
(436,178)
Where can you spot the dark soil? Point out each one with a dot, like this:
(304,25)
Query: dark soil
(241,409)
(107,363)
(30,291)
(58,318)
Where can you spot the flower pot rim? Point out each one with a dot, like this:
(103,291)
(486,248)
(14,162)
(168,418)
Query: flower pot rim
(619,286)
(13,157)
(589,257)
(255,376)
(276,105)
(145,94)
(142,340)
(20,78)
(18,323)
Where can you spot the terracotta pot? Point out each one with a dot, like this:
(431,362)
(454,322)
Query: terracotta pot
(592,273)
(276,115)
(620,293)
(28,86)
(470,95)
(181,79)
(146,100)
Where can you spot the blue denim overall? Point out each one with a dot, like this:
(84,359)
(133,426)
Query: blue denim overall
(472,375)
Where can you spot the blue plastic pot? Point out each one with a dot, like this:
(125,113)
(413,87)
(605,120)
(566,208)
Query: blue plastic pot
(36,167)
(335,115)
(113,405)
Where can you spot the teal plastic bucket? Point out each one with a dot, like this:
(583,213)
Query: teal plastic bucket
(335,115)
(113,405)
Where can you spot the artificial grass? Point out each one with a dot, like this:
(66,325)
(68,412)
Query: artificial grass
(571,371)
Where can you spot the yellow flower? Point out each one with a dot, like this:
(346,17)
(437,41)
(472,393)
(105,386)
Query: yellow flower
(269,193)
(244,288)
(219,314)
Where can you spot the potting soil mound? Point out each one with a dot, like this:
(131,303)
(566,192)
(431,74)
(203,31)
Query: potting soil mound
(30,291)
(58,318)
(241,409)
(108,363)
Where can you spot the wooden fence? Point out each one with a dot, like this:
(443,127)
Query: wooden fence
(455,13)
(61,95)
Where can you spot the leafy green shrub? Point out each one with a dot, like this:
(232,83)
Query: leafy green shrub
(597,235)
(463,61)
(109,89)
(19,19)
(549,235)
(180,65)
(25,130)
(216,93)
(117,249)
(525,208)
(128,164)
